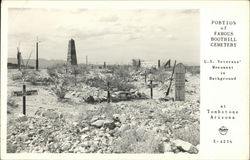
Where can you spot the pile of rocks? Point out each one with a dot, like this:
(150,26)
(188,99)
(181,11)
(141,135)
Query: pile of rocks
(93,95)
(177,146)
(122,124)
(127,95)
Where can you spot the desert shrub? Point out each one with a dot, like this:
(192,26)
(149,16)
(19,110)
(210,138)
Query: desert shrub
(11,103)
(60,90)
(116,81)
(54,70)
(17,76)
(122,71)
(97,82)
(121,77)
(137,141)
(38,78)
(62,80)
(83,69)
(190,133)
(60,87)
(161,76)
(193,69)
(62,70)
(120,83)
(22,75)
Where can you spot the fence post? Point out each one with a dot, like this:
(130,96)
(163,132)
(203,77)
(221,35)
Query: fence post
(151,89)
(24,99)
(19,59)
(108,95)
(159,64)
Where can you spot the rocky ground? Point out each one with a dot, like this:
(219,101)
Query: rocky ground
(79,124)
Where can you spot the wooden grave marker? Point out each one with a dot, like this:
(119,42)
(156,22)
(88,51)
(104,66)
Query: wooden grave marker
(180,82)
(159,64)
(25,93)
(108,93)
(151,86)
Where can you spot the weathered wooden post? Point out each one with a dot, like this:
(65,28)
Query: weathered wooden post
(145,77)
(108,95)
(37,55)
(19,59)
(171,79)
(104,65)
(139,63)
(24,99)
(66,68)
(151,89)
(180,82)
(86,60)
(159,64)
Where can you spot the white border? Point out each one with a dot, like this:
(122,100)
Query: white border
(205,7)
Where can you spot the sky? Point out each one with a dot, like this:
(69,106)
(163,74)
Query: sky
(111,35)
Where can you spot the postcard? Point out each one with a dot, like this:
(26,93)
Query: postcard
(125,80)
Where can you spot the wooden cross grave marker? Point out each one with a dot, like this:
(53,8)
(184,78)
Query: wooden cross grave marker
(180,82)
(25,93)
(151,86)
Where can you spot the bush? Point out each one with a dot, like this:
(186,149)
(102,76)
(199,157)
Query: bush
(61,87)
(11,104)
(120,83)
(117,80)
(38,78)
(57,69)
(123,71)
(137,141)
(162,76)
(17,76)
(193,69)
(61,80)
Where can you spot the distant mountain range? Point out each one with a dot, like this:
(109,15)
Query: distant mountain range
(43,63)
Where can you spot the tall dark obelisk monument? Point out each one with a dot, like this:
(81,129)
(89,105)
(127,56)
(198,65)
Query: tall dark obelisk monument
(71,59)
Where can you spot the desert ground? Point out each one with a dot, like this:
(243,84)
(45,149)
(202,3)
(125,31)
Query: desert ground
(70,113)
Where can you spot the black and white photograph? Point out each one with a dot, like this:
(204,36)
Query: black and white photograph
(100,80)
